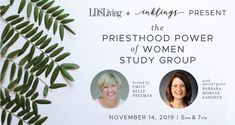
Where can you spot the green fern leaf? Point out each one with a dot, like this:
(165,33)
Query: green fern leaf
(26,29)
(28,115)
(13,40)
(22,5)
(42,101)
(21,113)
(62,16)
(13,54)
(45,43)
(35,68)
(29,9)
(39,59)
(62,56)
(66,74)
(17,98)
(46,18)
(37,36)
(65,21)
(56,52)
(2,7)
(10,104)
(35,14)
(3,117)
(4,102)
(18,20)
(45,90)
(27,104)
(40,17)
(4,10)
(69,29)
(34,96)
(26,76)
(22,25)
(49,68)
(12,84)
(10,18)
(20,122)
(15,108)
(40,3)
(53,9)
(13,69)
(58,12)
(46,6)
(4,50)
(7,94)
(61,32)
(54,75)
(1,94)
(18,88)
(29,93)
(30,63)
(31,33)
(35,84)
(11,2)
(35,108)
(57,85)
(22,102)
(50,22)
(32,81)
(41,70)
(44,61)
(69,66)
(23,49)
(8,36)
(4,69)
(55,26)
(9,118)
(19,74)
(34,0)
(51,48)
(31,53)
(39,122)
(5,31)
(9,44)
(41,40)
(34,119)
(23,60)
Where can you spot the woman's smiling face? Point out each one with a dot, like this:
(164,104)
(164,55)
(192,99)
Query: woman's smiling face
(178,88)
(111,91)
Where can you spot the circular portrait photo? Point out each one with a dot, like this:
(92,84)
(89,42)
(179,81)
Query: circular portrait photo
(109,89)
(178,89)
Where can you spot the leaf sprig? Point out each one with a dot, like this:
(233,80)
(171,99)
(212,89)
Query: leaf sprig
(37,56)
(53,16)
(35,64)
(23,108)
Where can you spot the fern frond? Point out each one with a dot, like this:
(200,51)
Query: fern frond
(23,108)
(52,15)
(36,56)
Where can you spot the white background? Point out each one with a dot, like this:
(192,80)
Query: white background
(74,105)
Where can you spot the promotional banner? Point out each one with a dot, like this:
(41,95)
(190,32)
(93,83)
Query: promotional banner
(136,62)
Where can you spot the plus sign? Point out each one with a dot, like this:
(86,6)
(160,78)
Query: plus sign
(128,13)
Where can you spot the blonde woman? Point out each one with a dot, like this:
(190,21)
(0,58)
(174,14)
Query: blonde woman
(109,85)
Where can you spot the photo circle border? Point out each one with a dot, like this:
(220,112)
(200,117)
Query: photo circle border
(124,90)
(193,82)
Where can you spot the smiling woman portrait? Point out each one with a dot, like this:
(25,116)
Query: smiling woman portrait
(113,90)
(180,89)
